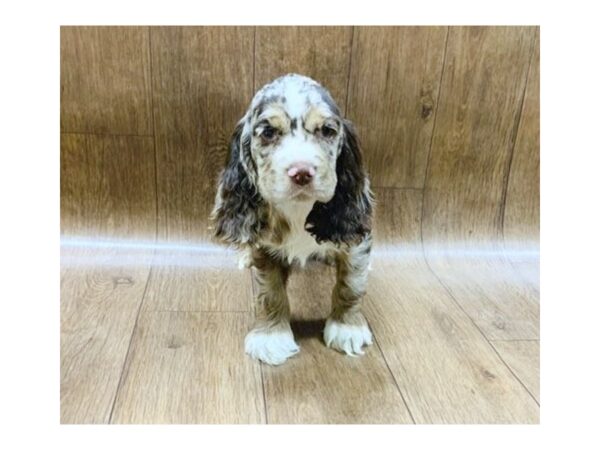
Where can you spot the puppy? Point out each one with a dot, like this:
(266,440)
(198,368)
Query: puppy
(294,189)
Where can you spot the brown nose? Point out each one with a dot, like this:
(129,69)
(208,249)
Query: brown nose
(301,174)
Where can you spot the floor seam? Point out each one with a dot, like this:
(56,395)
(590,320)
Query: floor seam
(127,359)
(394,378)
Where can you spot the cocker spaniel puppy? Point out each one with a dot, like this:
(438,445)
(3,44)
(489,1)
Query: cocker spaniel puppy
(294,189)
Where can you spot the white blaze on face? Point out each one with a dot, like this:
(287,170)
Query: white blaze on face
(295,149)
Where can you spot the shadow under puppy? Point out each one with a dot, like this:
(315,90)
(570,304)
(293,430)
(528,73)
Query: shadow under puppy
(294,189)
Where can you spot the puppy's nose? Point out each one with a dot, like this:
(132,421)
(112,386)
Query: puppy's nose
(301,173)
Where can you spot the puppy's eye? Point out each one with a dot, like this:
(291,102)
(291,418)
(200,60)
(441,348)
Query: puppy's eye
(328,131)
(268,133)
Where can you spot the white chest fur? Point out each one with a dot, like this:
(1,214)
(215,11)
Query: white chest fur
(298,245)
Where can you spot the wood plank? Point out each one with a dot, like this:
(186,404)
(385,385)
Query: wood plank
(190,368)
(523,358)
(521,225)
(493,294)
(99,306)
(480,101)
(203,278)
(322,53)
(397,222)
(393,99)
(105,80)
(522,210)
(202,85)
(320,385)
(107,186)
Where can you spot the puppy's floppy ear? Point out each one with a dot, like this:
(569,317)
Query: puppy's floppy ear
(347,216)
(237,213)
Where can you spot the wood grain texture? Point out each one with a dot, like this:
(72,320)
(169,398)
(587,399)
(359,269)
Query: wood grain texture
(467,175)
(475,133)
(523,358)
(522,209)
(493,294)
(99,305)
(105,80)
(190,368)
(397,224)
(107,186)
(320,385)
(393,98)
(201,280)
(444,366)
(322,53)
(202,85)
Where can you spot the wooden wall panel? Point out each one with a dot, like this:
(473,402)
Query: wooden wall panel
(397,224)
(480,102)
(197,97)
(522,208)
(105,80)
(202,84)
(393,97)
(322,53)
(107,186)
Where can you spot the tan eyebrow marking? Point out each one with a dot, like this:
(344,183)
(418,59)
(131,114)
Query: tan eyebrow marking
(276,117)
(316,117)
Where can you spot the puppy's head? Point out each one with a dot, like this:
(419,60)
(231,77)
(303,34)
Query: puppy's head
(295,133)
(292,145)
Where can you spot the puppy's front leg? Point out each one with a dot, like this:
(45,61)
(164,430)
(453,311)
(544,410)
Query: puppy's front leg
(346,329)
(271,340)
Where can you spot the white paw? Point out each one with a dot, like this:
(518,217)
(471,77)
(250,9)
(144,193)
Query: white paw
(347,338)
(272,347)
(245,259)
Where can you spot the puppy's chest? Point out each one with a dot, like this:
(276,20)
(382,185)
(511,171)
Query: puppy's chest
(300,246)
(297,244)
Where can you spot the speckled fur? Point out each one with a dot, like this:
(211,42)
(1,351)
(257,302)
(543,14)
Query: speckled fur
(258,208)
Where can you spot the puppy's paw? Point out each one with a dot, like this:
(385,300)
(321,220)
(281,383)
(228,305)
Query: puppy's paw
(245,259)
(273,347)
(347,338)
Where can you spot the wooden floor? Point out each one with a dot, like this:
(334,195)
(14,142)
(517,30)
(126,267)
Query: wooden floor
(153,332)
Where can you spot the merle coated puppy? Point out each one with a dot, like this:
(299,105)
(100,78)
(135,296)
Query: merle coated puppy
(294,189)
